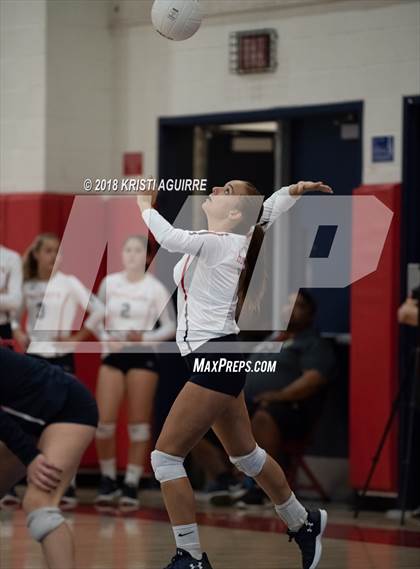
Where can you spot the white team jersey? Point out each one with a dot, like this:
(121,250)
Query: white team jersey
(52,307)
(207,276)
(10,283)
(136,306)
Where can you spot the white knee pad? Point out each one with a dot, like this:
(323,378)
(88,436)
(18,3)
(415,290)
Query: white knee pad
(139,432)
(105,431)
(43,521)
(251,464)
(167,467)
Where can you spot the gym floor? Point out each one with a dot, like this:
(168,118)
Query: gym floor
(233,539)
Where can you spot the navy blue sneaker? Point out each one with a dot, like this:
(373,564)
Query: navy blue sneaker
(309,538)
(183,560)
(108,492)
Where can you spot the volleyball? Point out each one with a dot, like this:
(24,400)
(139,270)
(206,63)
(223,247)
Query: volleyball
(176,19)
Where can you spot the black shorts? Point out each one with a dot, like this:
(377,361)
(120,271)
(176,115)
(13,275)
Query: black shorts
(225,380)
(65,362)
(126,361)
(79,407)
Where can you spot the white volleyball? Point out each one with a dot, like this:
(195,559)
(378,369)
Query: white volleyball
(176,19)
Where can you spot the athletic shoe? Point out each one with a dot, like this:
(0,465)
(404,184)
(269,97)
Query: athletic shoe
(108,491)
(183,560)
(224,490)
(309,538)
(69,500)
(11,499)
(129,498)
(253,498)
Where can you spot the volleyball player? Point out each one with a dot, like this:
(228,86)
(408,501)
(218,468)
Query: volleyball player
(212,278)
(10,300)
(51,300)
(135,301)
(10,289)
(47,420)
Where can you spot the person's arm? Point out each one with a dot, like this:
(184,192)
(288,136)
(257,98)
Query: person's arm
(285,198)
(303,387)
(167,325)
(94,307)
(318,364)
(100,331)
(408,313)
(19,335)
(16,440)
(11,296)
(175,240)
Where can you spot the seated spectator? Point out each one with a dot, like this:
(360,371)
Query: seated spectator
(288,402)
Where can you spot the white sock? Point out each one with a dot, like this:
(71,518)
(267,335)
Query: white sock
(133,474)
(292,513)
(108,468)
(187,538)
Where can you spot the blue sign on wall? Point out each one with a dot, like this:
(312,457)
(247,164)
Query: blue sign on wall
(382,149)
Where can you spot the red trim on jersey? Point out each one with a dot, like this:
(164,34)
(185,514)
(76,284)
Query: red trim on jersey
(184,270)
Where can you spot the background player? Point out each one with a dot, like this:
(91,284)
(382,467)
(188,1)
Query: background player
(10,301)
(10,289)
(213,278)
(47,420)
(135,301)
(51,300)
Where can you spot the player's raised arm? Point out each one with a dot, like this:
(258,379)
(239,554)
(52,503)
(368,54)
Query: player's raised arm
(285,198)
(176,240)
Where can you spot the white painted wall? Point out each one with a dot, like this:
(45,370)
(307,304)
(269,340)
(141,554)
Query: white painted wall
(79,109)
(22,95)
(82,83)
(56,95)
(331,52)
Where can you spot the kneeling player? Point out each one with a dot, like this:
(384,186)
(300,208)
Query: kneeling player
(47,420)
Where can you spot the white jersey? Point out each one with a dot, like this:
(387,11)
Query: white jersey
(52,307)
(207,276)
(136,306)
(10,283)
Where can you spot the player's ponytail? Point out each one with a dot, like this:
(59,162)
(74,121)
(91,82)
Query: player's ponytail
(30,263)
(248,270)
(253,252)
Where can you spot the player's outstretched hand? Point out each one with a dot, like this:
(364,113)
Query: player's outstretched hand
(44,475)
(147,198)
(302,187)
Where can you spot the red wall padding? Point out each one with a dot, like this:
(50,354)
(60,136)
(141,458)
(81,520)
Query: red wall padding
(374,354)
(23,216)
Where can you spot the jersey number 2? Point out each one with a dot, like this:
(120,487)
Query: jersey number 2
(125,310)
